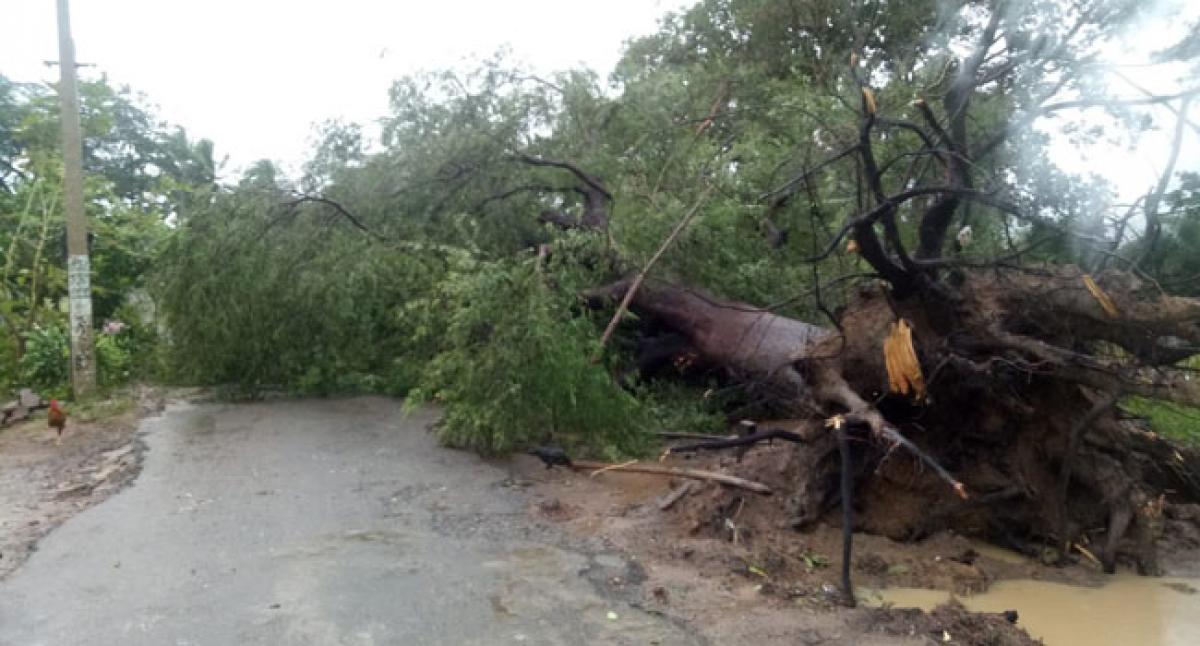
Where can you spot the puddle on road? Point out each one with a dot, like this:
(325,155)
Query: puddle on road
(1129,609)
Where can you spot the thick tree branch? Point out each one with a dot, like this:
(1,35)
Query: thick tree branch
(937,219)
(872,216)
(337,208)
(590,180)
(1153,225)
(596,198)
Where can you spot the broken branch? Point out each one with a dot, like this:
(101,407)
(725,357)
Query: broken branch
(637,281)
(681,472)
(745,440)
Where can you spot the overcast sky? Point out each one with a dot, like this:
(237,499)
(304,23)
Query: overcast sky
(255,75)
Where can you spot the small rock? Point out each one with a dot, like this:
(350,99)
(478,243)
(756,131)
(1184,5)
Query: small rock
(612,616)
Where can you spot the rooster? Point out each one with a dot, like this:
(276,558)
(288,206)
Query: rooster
(56,419)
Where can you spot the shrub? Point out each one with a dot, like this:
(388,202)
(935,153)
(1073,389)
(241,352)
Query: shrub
(46,364)
(257,295)
(113,361)
(515,368)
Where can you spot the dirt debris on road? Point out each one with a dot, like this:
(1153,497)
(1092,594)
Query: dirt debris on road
(727,563)
(42,485)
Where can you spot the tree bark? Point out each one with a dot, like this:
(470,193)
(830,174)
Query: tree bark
(1012,363)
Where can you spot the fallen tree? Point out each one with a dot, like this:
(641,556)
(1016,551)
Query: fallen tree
(1004,374)
(997,368)
(1007,385)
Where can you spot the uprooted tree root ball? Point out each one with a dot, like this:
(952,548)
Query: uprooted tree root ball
(1022,371)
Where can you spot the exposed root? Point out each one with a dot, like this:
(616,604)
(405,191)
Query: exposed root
(1021,370)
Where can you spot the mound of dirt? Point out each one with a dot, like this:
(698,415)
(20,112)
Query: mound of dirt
(950,622)
(734,563)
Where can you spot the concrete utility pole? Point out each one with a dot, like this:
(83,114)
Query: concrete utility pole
(79,279)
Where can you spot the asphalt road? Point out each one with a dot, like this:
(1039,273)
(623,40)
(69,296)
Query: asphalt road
(318,522)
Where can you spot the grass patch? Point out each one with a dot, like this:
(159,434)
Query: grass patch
(1172,420)
(101,408)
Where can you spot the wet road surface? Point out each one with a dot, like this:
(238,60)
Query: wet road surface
(318,522)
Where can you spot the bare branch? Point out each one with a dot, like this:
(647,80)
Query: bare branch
(1153,225)
(781,194)
(339,209)
(1109,102)
(590,180)
(637,282)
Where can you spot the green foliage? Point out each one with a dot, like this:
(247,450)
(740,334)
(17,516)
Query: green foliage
(1176,263)
(259,293)
(139,172)
(46,364)
(1172,420)
(114,362)
(515,367)
(680,408)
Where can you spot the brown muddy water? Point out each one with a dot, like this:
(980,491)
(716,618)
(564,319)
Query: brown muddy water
(1127,610)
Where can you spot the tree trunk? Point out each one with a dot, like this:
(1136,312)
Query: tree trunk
(1018,367)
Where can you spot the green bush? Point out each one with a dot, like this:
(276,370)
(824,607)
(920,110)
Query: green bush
(516,368)
(46,364)
(113,361)
(259,295)
(10,368)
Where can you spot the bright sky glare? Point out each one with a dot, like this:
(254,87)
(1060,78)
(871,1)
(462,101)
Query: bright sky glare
(255,75)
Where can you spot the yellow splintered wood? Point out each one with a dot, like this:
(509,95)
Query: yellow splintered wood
(903,368)
(1105,301)
(869,96)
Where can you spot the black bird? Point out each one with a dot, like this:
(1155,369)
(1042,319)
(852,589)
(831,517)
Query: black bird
(1011,616)
(551,456)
